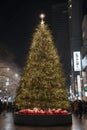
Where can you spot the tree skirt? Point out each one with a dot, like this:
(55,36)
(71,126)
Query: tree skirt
(42,120)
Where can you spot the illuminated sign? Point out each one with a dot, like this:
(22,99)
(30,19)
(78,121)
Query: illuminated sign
(85,88)
(77,61)
(84,62)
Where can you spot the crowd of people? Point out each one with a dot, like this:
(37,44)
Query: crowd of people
(79,108)
(5,107)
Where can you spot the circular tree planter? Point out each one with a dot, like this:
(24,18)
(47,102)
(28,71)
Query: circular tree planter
(42,120)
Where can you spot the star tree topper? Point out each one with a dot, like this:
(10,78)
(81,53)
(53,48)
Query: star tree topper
(42,16)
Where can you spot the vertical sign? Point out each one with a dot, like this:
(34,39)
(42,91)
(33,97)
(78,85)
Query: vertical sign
(79,86)
(77,61)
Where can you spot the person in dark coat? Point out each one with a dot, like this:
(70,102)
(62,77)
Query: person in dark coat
(0,106)
(80,109)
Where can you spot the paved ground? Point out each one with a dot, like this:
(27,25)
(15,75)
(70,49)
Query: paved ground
(7,123)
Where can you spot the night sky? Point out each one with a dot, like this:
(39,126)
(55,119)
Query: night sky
(18,20)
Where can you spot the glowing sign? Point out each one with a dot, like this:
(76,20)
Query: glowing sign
(77,61)
(85,88)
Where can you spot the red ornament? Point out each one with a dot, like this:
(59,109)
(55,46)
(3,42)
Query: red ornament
(43,112)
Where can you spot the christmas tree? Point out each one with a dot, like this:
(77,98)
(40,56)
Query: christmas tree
(42,83)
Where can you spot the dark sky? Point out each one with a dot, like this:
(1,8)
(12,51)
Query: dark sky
(18,19)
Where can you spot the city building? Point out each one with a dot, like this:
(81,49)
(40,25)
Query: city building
(84,49)
(70,31)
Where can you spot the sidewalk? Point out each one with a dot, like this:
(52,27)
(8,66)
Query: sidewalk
(7,123)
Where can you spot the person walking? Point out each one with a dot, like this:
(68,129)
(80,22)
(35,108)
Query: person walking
(80,109)
(0,106)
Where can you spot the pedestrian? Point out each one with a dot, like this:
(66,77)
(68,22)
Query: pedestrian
(4,108)
(80,109)
(0,106)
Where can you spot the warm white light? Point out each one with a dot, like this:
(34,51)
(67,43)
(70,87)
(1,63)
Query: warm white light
(7,83)
(16,75)
(6,89)
(70,17)
(7,79)
(42,16)
(8,69)
(70,6)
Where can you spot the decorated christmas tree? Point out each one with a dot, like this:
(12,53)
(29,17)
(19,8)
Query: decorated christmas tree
(42,83)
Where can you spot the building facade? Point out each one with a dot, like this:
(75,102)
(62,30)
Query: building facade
(67,23)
